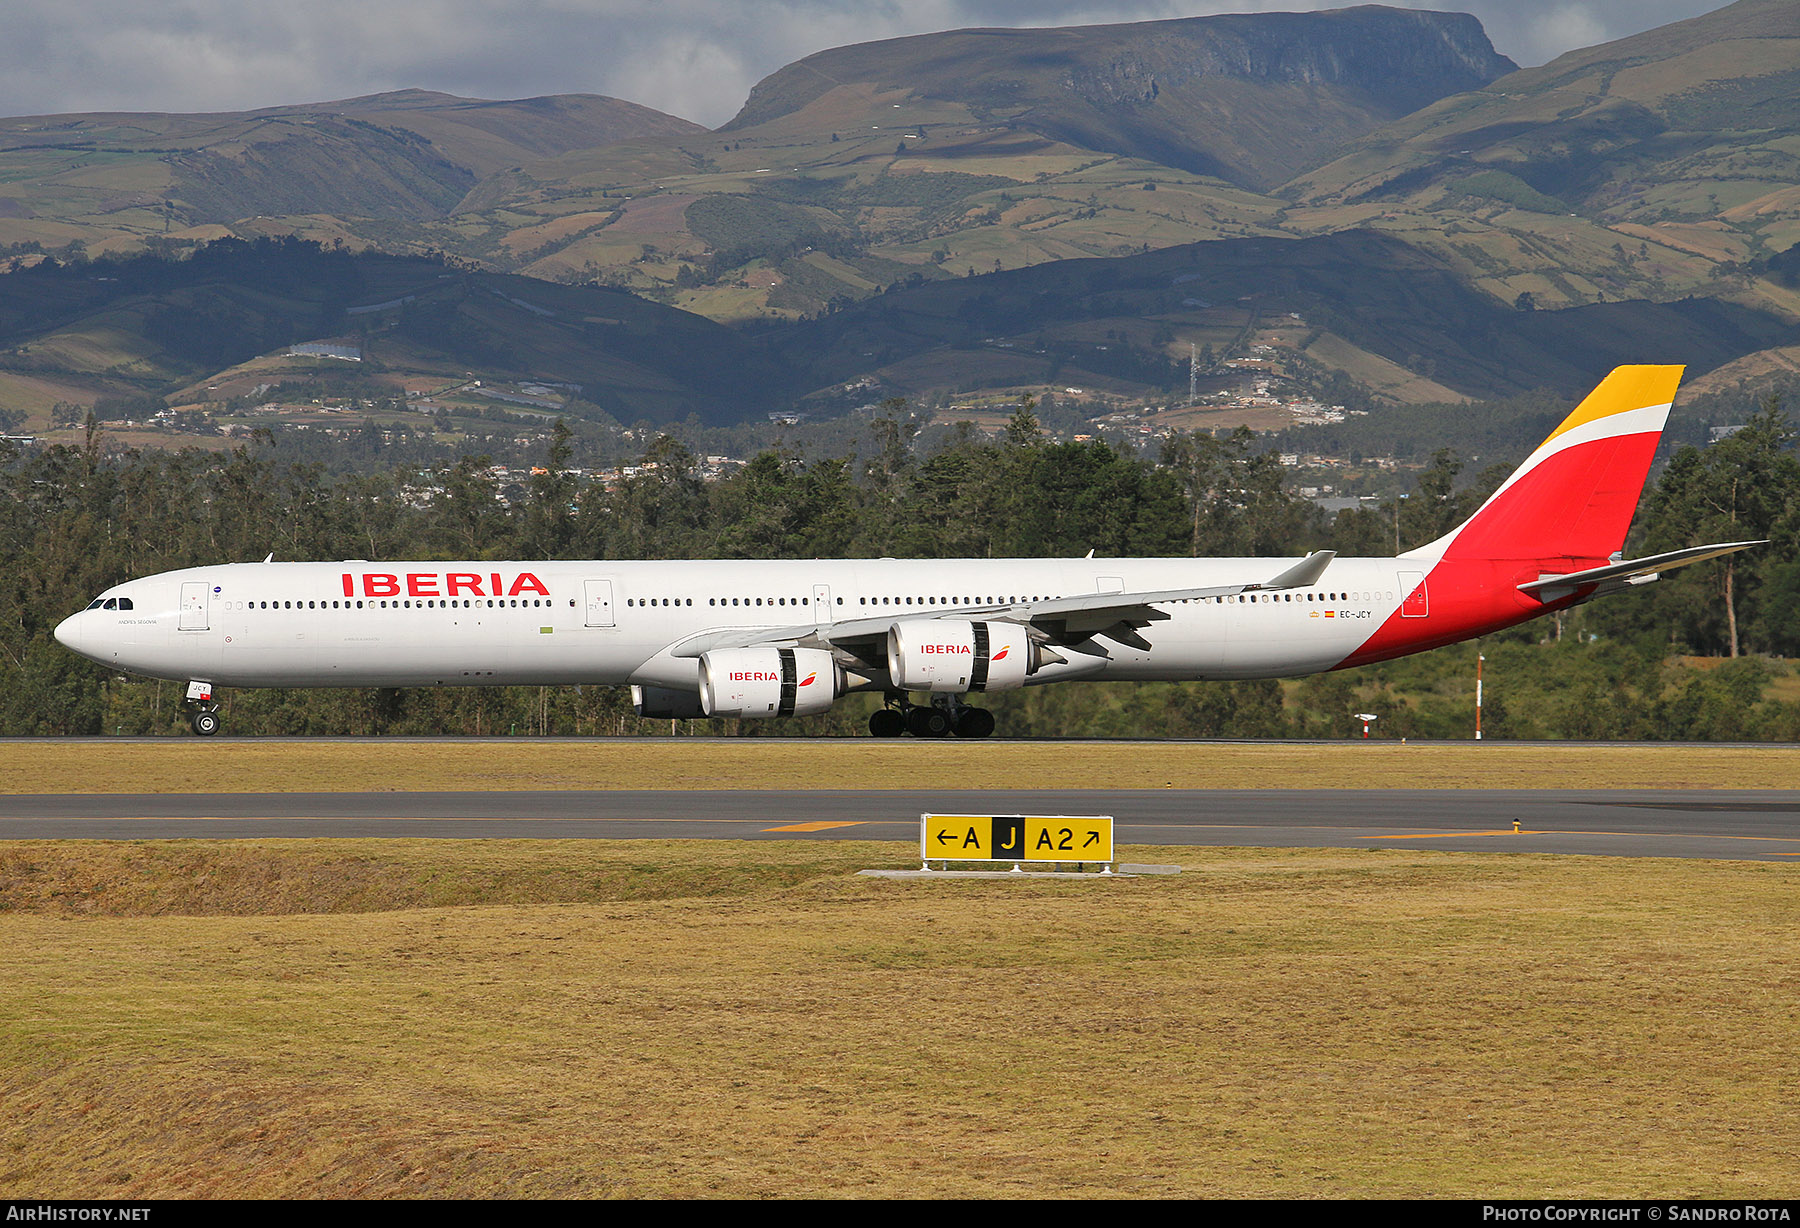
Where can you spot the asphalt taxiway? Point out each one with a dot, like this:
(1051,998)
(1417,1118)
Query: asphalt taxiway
(1730,824)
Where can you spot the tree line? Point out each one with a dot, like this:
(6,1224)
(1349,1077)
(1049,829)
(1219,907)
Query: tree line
(77,519)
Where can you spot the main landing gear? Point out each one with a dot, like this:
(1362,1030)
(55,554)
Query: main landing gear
(945,715)
(203,709)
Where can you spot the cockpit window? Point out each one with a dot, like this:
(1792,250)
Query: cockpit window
(94,604)
(125,603)
(112,603)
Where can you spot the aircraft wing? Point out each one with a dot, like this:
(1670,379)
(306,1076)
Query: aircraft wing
(1060,619)
(1632,571)
(1068,619)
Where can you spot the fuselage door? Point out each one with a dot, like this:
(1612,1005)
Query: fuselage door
(822,604)
(1415,601)
(599,602)
(196,603)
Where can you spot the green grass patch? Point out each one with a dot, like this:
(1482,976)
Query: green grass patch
(1510,189)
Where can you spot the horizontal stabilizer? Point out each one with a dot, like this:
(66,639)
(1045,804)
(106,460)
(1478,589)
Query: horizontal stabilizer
(1633,568)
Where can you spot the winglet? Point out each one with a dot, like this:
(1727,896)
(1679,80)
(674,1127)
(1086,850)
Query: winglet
(1303,574)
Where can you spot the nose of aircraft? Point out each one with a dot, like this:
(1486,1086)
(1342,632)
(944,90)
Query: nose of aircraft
(68,634)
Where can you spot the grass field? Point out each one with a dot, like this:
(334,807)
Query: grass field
(391,1018)
(193,766)
(599,1018)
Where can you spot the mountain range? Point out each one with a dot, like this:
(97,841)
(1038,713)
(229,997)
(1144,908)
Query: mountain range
(977,210)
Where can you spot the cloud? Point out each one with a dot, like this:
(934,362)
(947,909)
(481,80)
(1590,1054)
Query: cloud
(694,58)
(1537,31)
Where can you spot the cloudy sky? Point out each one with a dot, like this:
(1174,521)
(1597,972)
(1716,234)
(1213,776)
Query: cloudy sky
(693,58)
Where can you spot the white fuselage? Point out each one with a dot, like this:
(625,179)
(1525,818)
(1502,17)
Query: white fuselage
(481,623)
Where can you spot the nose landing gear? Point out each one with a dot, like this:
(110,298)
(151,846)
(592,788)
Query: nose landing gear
(943,716)
(203,714)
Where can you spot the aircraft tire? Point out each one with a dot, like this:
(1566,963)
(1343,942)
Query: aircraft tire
(886,723)
(974,723)
(927,723)
(205,723)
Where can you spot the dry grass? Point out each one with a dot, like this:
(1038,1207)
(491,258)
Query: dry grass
(279,766)
(450,1019)
(192,766)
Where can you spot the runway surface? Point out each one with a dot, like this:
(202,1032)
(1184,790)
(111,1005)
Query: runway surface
(1733,824)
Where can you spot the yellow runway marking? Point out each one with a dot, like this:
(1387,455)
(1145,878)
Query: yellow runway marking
(812,826)
(413,818)
(358,818)
(1447,835)
(1676,835)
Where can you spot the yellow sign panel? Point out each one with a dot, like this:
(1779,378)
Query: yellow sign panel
(957,837)
(1069,838)
(1015,837)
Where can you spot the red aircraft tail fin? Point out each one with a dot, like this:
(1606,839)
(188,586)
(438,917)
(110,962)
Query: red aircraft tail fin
(1574,497)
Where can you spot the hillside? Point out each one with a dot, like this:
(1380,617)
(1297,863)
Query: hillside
(1658,165)
(969,150)
(217,328)
(215,331)
(1250,99)
(115,180)
(1337,303)
(968,214)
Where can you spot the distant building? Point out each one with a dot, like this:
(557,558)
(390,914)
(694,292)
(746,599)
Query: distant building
(325,349)
(514,398)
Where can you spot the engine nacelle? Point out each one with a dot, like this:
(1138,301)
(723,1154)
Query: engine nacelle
(658,701)
(950,655)
(768,681)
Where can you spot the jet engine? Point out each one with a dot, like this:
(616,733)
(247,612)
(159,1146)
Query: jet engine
(768,681)
(660,701)
(949,655)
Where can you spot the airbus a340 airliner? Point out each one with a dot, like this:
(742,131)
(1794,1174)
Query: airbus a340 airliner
(789,638)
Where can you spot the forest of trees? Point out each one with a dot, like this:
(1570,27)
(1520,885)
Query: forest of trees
(75,520)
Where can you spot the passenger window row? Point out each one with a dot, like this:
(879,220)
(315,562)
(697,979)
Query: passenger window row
(1303,597)
(396,604)
(943,600)
(125,603)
